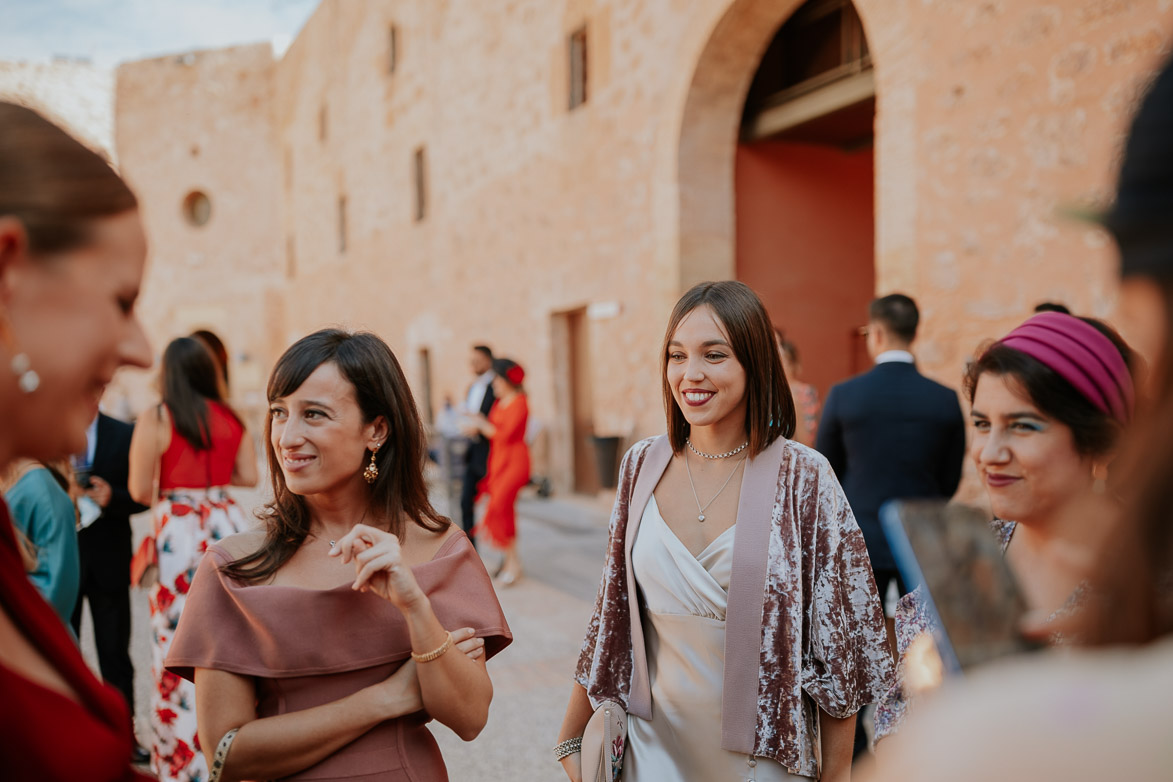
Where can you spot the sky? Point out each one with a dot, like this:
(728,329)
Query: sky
(107,32)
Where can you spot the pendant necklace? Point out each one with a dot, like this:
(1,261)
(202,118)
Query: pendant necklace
(332,543)
(700,515)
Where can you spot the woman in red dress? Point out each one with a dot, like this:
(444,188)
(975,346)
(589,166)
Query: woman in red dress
(508,463)
(71,261)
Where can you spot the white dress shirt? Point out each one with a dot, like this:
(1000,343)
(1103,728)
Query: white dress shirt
(476,392)
(895,357)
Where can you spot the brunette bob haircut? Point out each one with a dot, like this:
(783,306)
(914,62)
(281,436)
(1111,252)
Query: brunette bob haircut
(769,409)
(399,495)
(1095,432)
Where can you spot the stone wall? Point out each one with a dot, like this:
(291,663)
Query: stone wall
(991,117)
(76,95)
(203,122)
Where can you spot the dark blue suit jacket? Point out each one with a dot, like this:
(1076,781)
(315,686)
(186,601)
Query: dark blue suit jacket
(891,433)
(105,545)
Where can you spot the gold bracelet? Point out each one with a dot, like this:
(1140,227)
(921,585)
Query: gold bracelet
(435,653)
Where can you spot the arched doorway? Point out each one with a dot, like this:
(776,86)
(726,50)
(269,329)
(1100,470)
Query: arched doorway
(804,187)
(733,201)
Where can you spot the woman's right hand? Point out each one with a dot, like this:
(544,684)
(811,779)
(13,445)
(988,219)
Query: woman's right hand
(400,694)
(572,765)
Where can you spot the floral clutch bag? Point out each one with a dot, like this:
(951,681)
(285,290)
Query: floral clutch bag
(603,743)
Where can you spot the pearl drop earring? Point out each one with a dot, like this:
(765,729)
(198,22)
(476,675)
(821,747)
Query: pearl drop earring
(26,377)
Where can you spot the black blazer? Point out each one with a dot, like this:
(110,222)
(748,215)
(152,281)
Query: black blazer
(105,544)
(891,433)
(478,445)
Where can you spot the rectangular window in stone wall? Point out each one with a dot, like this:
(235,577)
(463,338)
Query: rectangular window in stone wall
(341,224)
(419,169)
(392,48)
(577,49)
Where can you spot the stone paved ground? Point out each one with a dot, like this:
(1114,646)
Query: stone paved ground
(562,546)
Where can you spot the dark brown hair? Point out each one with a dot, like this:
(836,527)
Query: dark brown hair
(53,184)
(216,346)
(897,313)
(191,379)
(398,495)
(1132,595)
(1095,431)
(501,367)
(769,409)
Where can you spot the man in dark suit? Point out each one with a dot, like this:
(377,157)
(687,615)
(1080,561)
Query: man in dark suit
(105,549)
(480,400)
(891,432)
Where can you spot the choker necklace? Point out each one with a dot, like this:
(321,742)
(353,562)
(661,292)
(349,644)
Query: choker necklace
(700,509)
(725,455)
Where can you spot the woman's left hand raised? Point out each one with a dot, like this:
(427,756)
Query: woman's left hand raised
(379,566)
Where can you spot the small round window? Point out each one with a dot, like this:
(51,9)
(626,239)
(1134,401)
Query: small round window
(197,208)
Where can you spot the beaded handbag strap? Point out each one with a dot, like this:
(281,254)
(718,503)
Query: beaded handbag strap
(221,755)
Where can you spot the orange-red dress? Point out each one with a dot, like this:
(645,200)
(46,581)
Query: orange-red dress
(508,469)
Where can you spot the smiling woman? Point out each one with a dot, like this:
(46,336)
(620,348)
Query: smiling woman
(71,260)
(1049,403)
(402,609)
(759,633)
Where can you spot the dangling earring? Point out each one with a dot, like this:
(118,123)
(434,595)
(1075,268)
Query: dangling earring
(26,377)
(1099,482)
(371,473)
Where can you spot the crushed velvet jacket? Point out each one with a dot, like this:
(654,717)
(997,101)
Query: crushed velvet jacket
(804,628)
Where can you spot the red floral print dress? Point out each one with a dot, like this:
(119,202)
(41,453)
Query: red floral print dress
(187,520)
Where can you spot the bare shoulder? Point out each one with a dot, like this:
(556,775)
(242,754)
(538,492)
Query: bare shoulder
(421,544)
(242,543)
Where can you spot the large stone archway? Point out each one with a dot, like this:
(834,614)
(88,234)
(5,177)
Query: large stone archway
(727,47)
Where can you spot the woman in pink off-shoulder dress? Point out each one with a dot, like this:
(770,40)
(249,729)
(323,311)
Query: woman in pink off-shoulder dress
(322,646)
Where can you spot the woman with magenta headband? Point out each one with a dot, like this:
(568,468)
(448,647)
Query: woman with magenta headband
(1086,716)
(1049,401)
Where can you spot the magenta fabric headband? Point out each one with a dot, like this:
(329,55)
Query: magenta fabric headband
(1082,356)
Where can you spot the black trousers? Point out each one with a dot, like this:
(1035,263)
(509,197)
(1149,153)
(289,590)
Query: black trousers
(473,475)
(110,609)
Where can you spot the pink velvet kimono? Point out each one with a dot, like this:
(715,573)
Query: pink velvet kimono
(804,629)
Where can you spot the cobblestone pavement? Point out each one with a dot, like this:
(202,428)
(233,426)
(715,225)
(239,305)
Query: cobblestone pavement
(562,545)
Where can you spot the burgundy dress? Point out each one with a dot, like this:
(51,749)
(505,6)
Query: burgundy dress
(44,735)
(309,647)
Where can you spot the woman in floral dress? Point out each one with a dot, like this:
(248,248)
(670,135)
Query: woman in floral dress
(200,446)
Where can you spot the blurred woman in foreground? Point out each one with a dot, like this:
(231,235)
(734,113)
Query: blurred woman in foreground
(1093,716)
(72,252)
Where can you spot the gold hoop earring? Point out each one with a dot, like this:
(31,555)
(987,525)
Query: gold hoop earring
(371,473)
(1099,482)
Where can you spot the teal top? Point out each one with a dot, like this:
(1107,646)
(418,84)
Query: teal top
(43,512)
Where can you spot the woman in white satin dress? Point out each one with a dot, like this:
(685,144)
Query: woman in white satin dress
(684,602)
(737,621)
